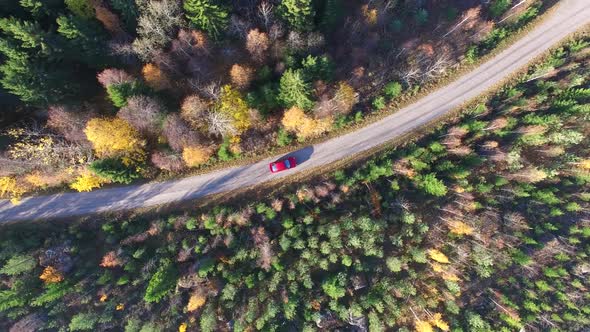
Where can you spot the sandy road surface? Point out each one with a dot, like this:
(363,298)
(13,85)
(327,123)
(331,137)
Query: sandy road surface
(569,16)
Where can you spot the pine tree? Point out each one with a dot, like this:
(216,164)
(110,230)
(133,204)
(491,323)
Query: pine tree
(206,15)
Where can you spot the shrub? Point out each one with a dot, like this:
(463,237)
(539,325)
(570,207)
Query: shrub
(86,182)
(196,155)
(379,103)
(430,184)
(498,7)
(283,137)
(83,322)
(168,162)
(10,188)
(115,170)
(224,153)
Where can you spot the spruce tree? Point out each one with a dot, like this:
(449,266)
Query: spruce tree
(298,13)
(85,38)
(206,15)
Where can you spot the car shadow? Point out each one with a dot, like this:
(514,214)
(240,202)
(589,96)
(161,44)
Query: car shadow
(301,155)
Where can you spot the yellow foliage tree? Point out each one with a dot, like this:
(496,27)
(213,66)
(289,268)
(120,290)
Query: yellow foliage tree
(155,77)
(345,97)
(196,301)
(423,326)
(182,327)
(438,256)
(439,322)
(86,182)
(111,137)
(51,275)
(233,104)
(460,228)
(584,164)
(9,188)
(196,155)
(370,15)
(295,120)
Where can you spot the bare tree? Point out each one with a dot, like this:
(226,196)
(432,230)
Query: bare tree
(158,19)
(143,113)
(265,13)
(68,122)
(220,124)
(179,134)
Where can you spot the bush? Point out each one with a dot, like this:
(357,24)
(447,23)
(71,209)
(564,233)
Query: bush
(283,137)
(196,155)
(83,322)
(379,103)
(430,184)
(115,170)
(161,283)
(224,153)
(392,90)
(472,54)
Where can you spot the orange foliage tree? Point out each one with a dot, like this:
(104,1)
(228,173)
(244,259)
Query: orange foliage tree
(51,275)
(241,76)
(257,43)
(155,77)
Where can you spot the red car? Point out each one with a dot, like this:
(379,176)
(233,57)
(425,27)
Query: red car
(282,165)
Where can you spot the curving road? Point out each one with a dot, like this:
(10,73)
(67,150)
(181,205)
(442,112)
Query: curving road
(569,16)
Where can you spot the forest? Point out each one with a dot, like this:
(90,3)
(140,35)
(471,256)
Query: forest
(107,92)
(481,225)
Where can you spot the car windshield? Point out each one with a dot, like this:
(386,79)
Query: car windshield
(274,167)
(287,164)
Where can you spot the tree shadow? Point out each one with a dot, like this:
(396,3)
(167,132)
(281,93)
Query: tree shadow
(301,155)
